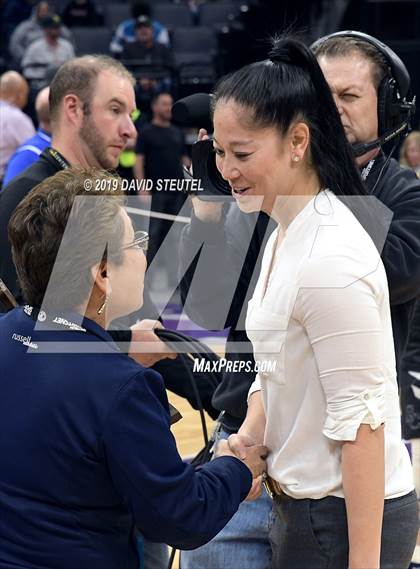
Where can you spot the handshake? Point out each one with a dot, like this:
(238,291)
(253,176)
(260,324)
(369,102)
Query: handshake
(251,453)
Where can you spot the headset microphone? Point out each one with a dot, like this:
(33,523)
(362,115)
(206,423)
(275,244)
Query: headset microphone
(362,147)
(395,109)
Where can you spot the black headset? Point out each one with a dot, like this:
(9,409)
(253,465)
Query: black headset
(394,108)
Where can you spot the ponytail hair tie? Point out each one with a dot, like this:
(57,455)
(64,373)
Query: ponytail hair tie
(280,55)
(291,51)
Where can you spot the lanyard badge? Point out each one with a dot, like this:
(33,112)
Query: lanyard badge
(59,158)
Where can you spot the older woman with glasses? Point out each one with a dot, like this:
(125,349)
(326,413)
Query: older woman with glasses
(85,447)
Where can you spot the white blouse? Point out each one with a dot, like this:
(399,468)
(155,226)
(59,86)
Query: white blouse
(324,319)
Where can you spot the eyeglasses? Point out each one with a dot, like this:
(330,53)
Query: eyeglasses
(140,241)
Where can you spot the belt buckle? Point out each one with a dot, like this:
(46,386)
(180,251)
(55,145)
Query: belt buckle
(268,487)
(272,487)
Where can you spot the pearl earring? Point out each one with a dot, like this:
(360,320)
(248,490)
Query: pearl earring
(295,158)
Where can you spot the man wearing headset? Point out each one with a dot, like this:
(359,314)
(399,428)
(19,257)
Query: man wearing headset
(370,85)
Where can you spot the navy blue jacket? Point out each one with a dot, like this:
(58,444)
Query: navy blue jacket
(87,455)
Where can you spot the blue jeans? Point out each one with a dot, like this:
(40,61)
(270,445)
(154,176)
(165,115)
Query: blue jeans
(313,533)
(243,543)
(152,555)
(156,555)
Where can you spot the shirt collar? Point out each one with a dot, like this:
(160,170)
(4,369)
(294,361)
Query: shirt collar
(8,104)
(44,135)
(96,330)
(67,320)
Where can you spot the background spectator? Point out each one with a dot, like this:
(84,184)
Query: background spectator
(145,47)
(126,31)
(151,63)
(81,13)
(161,153)
(410,152)
(16,127)
(48,50)
(31,149)
(12,13)
(30,30)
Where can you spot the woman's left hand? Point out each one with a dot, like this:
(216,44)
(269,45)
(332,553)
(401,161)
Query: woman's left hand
(240,443)
(143,332)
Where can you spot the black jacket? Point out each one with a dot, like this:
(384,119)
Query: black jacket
(10,197)
(222,286)
(399,190)
(412,354)
(206,297)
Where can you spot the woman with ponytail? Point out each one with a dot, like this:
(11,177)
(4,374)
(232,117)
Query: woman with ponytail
(328,410)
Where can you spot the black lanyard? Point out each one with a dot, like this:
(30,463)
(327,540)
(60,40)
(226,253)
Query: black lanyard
(367,169)
(58,158)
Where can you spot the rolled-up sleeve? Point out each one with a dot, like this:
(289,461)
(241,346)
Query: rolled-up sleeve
(345,416)
(346,332)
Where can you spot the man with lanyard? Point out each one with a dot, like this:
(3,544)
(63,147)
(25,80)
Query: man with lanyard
(370,85)
(91,101)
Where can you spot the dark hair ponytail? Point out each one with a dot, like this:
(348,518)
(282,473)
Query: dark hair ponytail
(290,86)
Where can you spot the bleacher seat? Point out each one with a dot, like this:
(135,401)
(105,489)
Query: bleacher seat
(115,14)
(173,15)
(195,40)
(196,74)
(187,57)
(217,14)
(59,5)
(194,50)
(91,40)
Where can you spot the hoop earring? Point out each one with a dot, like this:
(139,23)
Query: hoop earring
(103,305)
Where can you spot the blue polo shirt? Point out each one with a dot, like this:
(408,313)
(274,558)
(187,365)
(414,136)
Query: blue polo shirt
(26,154)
